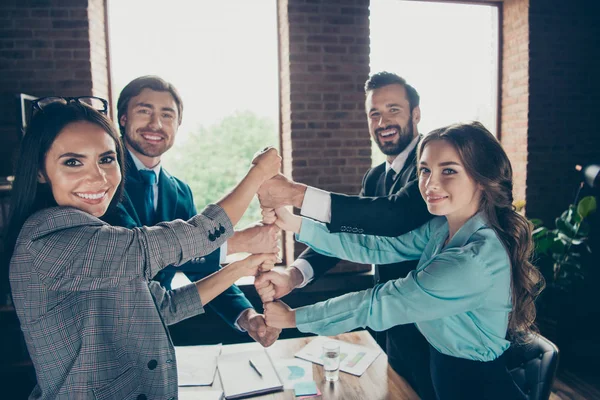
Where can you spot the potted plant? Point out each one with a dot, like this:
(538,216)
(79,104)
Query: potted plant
(565,244)
(560,255)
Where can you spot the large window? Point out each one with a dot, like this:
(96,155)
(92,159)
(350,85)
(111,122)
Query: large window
(222,57)
(448,52)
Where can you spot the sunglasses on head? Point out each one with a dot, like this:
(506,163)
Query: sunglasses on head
(97,103)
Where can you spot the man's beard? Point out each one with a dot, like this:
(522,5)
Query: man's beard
(140,146)
(405,136)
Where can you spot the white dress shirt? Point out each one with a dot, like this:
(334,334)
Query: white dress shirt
(317,205)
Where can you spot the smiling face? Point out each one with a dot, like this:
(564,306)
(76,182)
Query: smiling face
(81,168)
(150,125)
(445,185)
(391,123)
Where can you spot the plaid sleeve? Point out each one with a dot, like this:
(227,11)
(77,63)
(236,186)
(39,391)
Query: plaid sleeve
(74,251)
(178,304)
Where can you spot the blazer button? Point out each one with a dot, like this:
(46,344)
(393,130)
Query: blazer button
(202,260)
(360,231)
(221,229)
(217,233)
(152,364)
(211,237)
(141,397)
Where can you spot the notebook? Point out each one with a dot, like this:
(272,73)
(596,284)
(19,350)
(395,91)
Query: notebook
(239,379)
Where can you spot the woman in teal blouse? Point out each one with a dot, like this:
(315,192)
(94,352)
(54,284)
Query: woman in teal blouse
(474,287)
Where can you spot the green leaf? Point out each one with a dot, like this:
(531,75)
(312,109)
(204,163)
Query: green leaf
(543,244)
(586,206)
(564,227)
(539,232)
(557,247)
(536,222)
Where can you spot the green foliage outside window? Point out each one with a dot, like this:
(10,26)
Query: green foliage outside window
(213,159)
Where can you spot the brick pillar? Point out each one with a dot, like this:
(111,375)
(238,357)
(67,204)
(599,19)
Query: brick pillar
(324,63)
(515,89)
(48,48)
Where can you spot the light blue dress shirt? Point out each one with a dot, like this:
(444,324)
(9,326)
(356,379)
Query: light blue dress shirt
(458,296)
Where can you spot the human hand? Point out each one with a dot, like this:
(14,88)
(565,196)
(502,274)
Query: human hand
(288,221)
(276,283)
(255,324)
(279,315)
(268,162)
(255,263)
(256,238)
(280,191)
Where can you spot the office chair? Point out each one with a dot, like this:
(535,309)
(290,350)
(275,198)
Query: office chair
(533,366)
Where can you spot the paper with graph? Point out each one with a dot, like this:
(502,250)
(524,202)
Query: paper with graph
(293,370)
(354,358)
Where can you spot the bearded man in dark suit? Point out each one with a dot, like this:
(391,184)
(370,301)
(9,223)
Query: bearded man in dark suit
(393,113)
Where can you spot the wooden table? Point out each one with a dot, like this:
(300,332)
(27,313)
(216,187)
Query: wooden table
(378,382)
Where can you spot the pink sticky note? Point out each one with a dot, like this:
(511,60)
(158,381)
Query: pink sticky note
(310,397)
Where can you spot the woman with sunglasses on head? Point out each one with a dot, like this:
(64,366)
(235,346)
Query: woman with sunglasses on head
(473,285)
(94,323)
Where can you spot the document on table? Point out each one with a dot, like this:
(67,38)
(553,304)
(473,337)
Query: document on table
(201,395)
(293,370)
(242,378)
(354,358)
(196,365)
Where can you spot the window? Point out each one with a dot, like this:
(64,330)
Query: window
(448,52)
(222,57)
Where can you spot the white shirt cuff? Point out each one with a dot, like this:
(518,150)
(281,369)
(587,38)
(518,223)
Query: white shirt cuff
(306,270)
(236,325)
(316,204)
(223,254)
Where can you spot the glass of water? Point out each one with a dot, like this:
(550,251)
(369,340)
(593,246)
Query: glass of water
(331,360)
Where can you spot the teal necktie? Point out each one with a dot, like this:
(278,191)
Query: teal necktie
(149,179)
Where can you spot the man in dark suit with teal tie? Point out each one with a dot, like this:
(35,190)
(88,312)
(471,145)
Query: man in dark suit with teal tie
(149,113)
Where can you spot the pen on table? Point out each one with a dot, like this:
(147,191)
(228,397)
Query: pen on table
(254,367)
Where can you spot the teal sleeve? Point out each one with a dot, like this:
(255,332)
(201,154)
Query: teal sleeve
(453,282)
(364,249)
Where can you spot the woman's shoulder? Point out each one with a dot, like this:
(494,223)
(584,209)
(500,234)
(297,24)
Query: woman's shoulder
(57,218)
(485,246)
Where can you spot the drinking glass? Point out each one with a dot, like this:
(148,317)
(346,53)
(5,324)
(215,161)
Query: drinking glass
(331,361)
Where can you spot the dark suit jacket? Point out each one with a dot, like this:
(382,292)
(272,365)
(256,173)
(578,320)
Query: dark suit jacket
(175,201)
(372,185)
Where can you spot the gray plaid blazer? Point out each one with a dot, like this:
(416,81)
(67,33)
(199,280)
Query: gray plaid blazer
(94,323)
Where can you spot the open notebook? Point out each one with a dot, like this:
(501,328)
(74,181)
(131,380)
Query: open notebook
(239,379)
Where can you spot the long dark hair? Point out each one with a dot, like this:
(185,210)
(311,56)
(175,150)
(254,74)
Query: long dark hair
(487,163)
(28,195)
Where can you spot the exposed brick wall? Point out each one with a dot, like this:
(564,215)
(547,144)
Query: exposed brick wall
(515,89)
(48,48)
(564,96)
(324,48)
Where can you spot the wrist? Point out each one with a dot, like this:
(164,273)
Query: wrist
(245,317)
(232,243)
(296,276)
(257,176)
(298,192)
(293,318)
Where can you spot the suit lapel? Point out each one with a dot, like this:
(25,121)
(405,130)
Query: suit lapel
(407,173)
(134,188)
